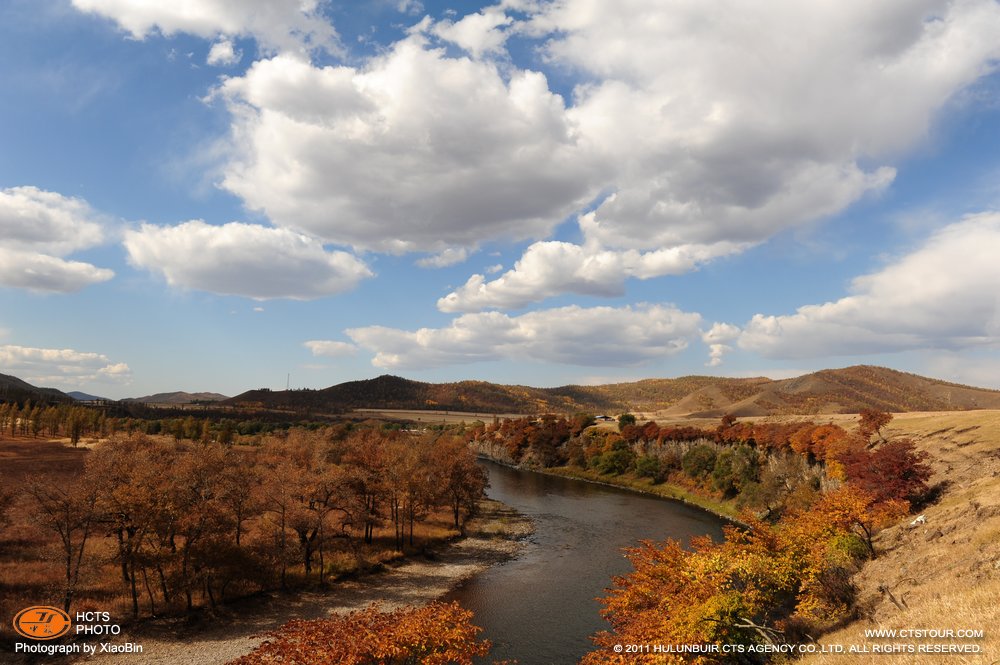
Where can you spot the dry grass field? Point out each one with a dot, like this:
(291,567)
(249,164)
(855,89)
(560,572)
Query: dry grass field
(428,417)
(943,574)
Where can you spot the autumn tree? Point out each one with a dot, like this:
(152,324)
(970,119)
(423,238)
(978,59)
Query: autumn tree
(373,461)
(849,509)
(129,476)
(871,422)
(462,482)
(7,496)
(714,593)
(894,471)
(436,634)
(69,510)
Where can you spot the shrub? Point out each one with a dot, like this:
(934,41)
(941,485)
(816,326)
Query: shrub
(699,461)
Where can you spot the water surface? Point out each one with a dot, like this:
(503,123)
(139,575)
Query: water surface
(540,608)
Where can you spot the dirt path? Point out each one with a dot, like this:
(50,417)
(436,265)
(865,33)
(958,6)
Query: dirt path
(494,537)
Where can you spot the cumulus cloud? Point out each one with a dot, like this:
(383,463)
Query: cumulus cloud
(277,25)
(550,268)
(698,126)
(243,259)
(330,348)
(941,296)
(223,54)
(414,152)
(40,272)
(445,258)
(719,339)
(479,33)
(39,228)
(598,336)
(729,126)
(739,123)
(63,367)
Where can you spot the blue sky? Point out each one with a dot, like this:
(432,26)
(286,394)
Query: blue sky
(542,192)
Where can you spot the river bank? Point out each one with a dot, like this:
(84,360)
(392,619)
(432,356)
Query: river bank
(496,535)
(724,509)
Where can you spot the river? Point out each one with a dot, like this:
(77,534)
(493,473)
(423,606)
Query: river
(540,608)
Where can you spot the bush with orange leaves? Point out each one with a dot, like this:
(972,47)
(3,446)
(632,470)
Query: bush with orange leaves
(762,584)
(435,634)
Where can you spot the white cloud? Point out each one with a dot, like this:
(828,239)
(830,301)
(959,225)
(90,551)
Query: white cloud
(719,338)
(549,268)
(730,124)
(39,228)
(243,259)
(63,367)
(36,220)
(409,6)
(278,25)
(941,296)
(330,348)
(732,120)
(40,272)
(477,33)
(494,269)
(223,54)
(414,152)
(445,258)
(598,336)
(708,127)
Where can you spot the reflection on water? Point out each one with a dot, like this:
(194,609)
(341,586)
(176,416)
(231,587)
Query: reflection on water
(541,607)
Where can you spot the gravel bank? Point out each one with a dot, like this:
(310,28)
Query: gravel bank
(497,535)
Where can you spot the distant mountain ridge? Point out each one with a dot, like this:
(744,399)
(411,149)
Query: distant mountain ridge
(178,397)
(846,390)
(86,397)
(13,389)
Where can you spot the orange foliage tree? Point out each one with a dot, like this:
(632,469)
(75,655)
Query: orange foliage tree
(436,634)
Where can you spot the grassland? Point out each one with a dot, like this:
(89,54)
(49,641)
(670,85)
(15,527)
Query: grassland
(945,573)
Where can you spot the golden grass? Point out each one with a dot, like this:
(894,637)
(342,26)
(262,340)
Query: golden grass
(949,606)
(944,574)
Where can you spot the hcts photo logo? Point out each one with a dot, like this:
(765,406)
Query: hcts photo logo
(42,622)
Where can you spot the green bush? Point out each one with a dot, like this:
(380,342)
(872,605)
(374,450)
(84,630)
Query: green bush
(616,462)
(699,461)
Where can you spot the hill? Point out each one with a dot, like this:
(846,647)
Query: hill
(179,397)
(846,390)
(13,389)
(944,572)
(85,397)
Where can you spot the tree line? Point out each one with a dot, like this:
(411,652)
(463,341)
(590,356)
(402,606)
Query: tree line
(77,422)
(189,523)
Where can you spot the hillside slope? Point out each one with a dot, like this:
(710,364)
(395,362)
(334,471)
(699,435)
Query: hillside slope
(179,397)
(846,390)
(944,573)
(13,389)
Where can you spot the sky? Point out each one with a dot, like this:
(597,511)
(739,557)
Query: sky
(221,195)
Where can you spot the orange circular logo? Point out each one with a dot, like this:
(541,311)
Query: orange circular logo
(42,623)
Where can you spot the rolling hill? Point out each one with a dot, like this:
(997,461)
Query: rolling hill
(178,397)
(13,389)
(846,390)
(85,397)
